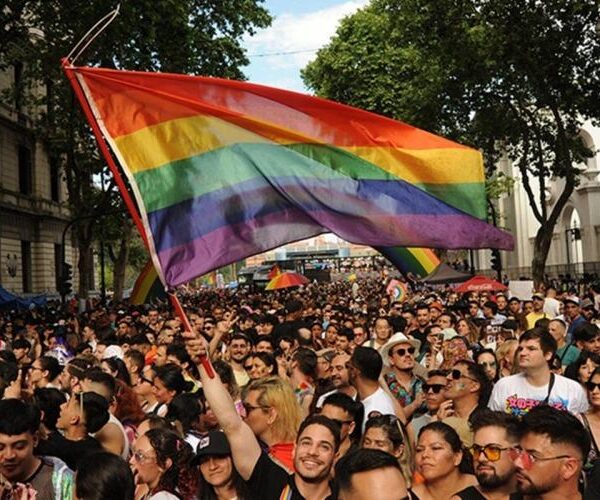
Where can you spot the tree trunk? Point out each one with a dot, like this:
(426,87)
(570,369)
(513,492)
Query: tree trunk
(541,247)
(86,259)
(120,264)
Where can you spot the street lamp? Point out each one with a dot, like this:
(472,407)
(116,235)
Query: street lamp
(571,234)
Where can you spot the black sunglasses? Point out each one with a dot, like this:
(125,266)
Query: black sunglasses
(591,386)
(402,351)
(457,375)
(435,388)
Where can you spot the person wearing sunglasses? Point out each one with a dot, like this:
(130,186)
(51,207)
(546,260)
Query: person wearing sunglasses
(467,389)
(494,435)
(433,389)
(536,384)
(161,464)
(144,389)
(591,420)
(399,359)
(551,454)
(487,360)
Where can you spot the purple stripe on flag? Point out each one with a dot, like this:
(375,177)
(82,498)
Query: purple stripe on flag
(231,243)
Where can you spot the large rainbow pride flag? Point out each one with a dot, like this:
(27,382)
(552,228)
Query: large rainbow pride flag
(221,170)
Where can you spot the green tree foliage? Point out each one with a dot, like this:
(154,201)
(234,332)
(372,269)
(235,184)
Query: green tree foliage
(513,76)
(186,36)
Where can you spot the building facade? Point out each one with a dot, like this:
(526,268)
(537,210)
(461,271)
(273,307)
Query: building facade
(33,209)
(575,243)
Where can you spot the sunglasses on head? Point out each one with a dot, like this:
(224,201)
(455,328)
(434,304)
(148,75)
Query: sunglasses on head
(435,388)
(401,352)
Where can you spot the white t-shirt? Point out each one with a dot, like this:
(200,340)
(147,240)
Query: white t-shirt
(379,402)
(551,307)
(516,396)
(163,495)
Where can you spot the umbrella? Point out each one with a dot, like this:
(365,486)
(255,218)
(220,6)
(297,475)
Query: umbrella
(286,280)
(480,284)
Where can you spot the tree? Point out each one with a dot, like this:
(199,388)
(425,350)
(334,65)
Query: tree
(187,36)
(517,77)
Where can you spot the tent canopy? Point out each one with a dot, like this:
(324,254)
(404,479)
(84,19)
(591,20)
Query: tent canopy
(9,301)
(444,274)
(480,284)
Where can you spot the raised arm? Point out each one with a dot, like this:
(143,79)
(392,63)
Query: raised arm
(245,449)
(222,329)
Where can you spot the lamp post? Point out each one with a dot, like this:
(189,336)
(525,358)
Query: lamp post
(571,234)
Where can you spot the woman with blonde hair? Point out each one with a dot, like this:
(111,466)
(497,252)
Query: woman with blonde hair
(506,355)
(466,328)
(273,413)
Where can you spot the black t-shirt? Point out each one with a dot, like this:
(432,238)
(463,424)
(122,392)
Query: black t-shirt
(472,493)
(287,328)
(69,451)
(269,481)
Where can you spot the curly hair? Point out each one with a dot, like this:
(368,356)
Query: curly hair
(179,478)
(128,408)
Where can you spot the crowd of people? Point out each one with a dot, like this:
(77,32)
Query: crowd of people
(331,390)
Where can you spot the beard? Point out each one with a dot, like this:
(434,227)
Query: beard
(530,488)
(491,481)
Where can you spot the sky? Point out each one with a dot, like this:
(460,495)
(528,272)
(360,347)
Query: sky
(299,26)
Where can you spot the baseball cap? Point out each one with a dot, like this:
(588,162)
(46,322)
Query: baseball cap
(538,295)
(571,298)
(436,305)
(587,304)
(215,443)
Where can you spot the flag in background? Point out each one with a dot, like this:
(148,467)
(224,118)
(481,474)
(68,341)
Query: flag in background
(147,286)
(397,290)
(224,169)
(416,261)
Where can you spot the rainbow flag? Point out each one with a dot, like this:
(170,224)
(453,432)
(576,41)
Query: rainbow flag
(223,169)
(147,286)
(416,261)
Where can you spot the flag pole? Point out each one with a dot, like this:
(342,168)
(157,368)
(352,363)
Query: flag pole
(67,66)
(87,111)
(188,327)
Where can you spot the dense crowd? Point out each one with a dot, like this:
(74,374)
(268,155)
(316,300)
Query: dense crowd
(332,390)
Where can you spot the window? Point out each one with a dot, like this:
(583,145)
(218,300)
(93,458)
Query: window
(26,265)
(25,171)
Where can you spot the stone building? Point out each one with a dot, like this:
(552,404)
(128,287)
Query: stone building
(575,245)
(33,212)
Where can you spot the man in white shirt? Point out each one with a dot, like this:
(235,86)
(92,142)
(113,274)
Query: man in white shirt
(364,369)
(535,385)
(551,303)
